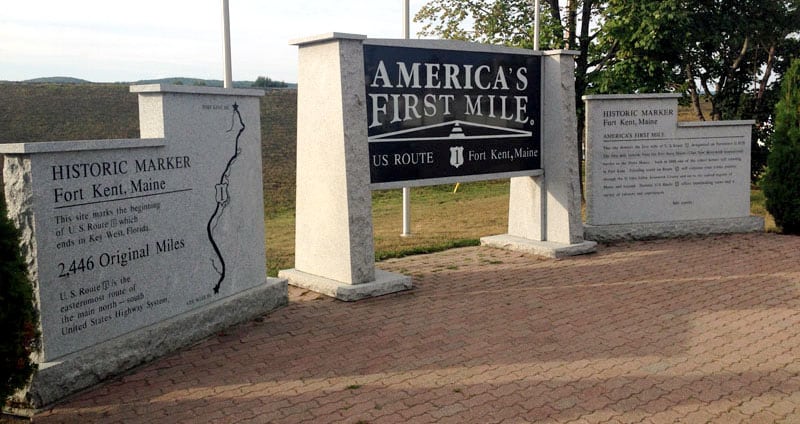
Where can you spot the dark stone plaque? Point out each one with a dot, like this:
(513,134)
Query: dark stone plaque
(442,114)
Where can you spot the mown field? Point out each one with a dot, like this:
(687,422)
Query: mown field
(53,112)
(441,218)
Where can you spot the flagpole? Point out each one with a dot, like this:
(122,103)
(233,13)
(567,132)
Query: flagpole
(406,190)
(406,19)
(536,25)
(226,29)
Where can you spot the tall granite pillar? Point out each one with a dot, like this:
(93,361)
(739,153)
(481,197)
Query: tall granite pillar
(334,251)
(545,211)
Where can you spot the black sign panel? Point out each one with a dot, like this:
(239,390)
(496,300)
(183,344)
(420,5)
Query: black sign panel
(439,114)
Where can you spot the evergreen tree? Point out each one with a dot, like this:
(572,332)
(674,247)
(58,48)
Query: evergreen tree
(781,184)
(18,318)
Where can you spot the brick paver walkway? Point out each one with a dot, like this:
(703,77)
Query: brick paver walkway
(693,330)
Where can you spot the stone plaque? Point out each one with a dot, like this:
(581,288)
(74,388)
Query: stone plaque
(436,114)
(643,166)
(127,235)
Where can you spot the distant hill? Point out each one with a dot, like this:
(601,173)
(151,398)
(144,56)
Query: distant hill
(58,80)
(169,80)
(193,81)
(201,82)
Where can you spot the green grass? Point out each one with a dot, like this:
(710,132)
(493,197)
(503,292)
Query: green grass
(421,250)
(441,220)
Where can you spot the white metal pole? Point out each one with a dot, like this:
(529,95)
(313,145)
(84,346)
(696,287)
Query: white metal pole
(406,212)
(406,19)
(536,25)
(406,190)
(226,28)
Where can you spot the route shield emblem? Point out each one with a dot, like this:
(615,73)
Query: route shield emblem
(457,156)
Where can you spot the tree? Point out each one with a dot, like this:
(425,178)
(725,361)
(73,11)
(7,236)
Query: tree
(266,82)
(643,36)
(725,52)
(730,53)
(18,318)
(507,22)
(781,182)
(510,22)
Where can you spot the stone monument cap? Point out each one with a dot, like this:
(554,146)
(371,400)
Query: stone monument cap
(559,52)
(329,36)
(466,46)
(169,88)
(79,145)
(632,96)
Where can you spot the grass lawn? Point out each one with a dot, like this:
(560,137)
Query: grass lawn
(440,219)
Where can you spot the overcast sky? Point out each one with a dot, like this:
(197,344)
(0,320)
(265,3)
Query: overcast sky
(113,41)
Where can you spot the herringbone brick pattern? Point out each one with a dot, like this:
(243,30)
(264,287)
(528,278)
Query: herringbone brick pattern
(694,330)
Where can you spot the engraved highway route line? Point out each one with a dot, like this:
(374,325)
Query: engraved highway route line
(223,199)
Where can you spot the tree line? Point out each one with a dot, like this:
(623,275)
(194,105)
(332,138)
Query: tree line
(730,53)
(267,82)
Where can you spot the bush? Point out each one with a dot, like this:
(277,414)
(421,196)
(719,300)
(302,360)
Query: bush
(18,317)
(781,183)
